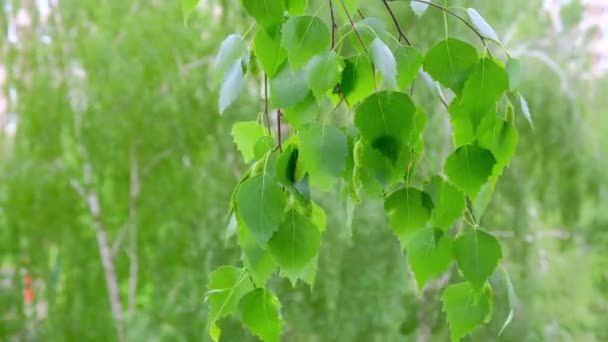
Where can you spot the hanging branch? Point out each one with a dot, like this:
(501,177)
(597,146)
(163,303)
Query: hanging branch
(352,24)
(334,26)
(266,115)
(399,30)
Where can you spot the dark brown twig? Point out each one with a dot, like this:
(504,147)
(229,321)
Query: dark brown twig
(401,33)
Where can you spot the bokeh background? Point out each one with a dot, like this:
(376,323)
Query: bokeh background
(109,130)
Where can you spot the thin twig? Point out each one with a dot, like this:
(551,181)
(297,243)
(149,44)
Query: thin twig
(352,24)
(279,137)
(266,104)
(401,33)
(333,24)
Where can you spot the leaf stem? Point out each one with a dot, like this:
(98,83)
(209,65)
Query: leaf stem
(279,137)
(352,24)
(333,24)
(266,104)
(401,34)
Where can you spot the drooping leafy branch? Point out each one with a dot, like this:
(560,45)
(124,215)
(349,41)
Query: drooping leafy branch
(312,69)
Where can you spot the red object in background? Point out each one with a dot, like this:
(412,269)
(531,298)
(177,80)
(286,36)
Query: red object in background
(28,292)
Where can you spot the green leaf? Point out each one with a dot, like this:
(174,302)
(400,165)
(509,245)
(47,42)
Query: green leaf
(450,62)
(227,285)
(419,8)
(512,298)
(304,112)
(385,63)
(498,136)
(323,151)
(482,25)
(295,244)
(296,7)
(525,109)
(482,200)
(369,29)
(232,50)
(269,51)
(469,168)
(262,146)
(260,202)
(323,72)
(357,79)
(245,135)
(429,254)
(483,89)
(448,202)
(258,261)
(304,37)
(260,313)
(465,309)
(513,68)
(232,86)
(376,169)
(386,115)
(408,211)
(267,13)
(409,61)
(288,87)
(477,254)
(286,165)
(187,7)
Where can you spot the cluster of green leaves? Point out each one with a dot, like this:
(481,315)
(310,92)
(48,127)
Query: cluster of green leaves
(343,92)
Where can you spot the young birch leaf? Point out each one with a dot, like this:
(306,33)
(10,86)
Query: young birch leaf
(385,63)
(232,86)
(469,168)
(477,254)
(498,136)
(227,285)
(267,13)
(231,50)
(357,79)
(429,254)
(269,51)
(323,151)
(482,25)
(525,109)
(296,7)
(187,7)
(295,244)
(304,112)
(303,37)
(408,211)
(465,309)
(450,62)
(245,135)
(386,114)
(323,72)
(513,68)
(419,8)
(262,146)
(483,89)
(409,60)
(260,313)
(258,261)
(448,202)
(260,202)
(288,88)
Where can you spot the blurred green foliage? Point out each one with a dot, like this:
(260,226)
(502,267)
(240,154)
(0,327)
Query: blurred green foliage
(124,83)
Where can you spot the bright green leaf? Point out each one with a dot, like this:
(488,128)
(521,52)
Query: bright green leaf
(260,202)
(304,112)
(269,51)
(465,309)
(409,61)
(227,285)
(499,137)
(357,79)
(482,25)
(232,50)
(187,7)
(429,254)
(288,87)
(477,254)
(267,13)
(408,210)
(260,313)
(262,146)
(323,72)
(304,37)
(469,168)
(323,149)
(245,134)
(295,244)
(448,202)
(296,7)
(369,29)
(483,89)
(257,260)
(450,62)
(385,63)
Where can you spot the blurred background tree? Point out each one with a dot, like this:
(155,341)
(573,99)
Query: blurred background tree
(116,170)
